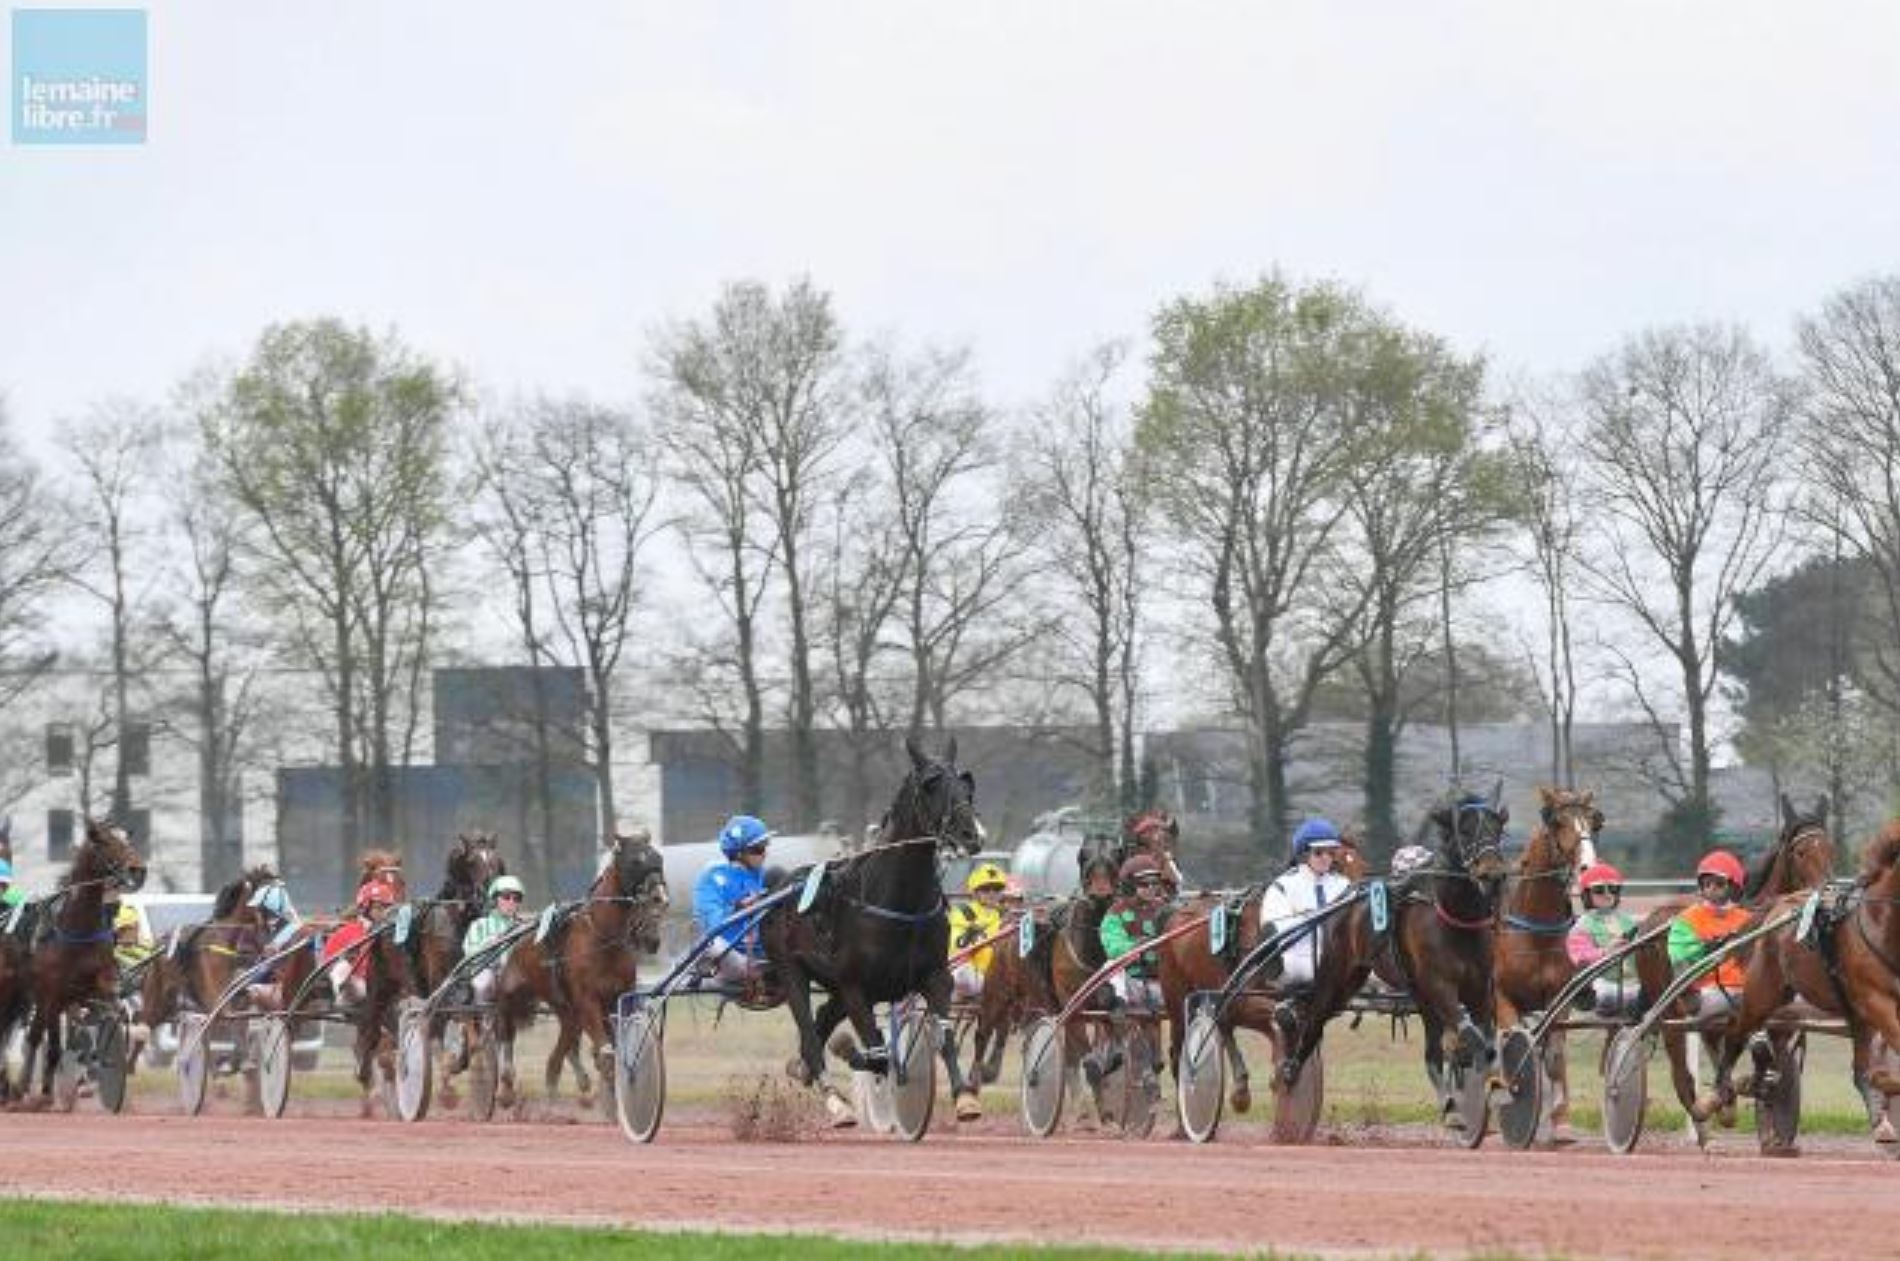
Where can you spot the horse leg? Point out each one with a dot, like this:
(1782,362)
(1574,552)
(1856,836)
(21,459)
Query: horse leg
(808,1066)
(1557,1064)
(35,1038)
(505,1057)
(1241,1096)
(937,994)
(565,1040)
(1879,1015)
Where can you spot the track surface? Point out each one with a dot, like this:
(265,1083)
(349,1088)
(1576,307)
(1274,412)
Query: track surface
(1230,1195)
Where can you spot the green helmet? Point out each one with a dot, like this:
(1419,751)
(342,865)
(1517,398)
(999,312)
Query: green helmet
(504,884)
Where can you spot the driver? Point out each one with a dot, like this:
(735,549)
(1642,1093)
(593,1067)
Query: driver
(504,911)
(725,889)
(1714,917)
(1603,926)
(1309,885)
(973,920)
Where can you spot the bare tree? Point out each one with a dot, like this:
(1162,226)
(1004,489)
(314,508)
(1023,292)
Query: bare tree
(1850,446)
(1684,441)
(1549,515)
(575,506)
(38,551)
(961,551)
(334,442)
(112,450)
(1245,444)
(1093,519)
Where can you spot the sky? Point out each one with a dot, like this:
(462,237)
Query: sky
(527,191)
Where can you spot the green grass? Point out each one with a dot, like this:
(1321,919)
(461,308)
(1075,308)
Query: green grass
(49,1230)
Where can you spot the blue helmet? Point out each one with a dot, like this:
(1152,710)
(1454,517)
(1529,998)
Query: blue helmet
(272,900)
(6,871)
(1316,832)
(742,832)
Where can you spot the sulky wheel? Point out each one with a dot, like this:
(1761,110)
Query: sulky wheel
(1778,1112)
(74,1065)
(1625,1090)
(1201,1090)
(1044,1077)
(273,1065)
(640,1074)
(110,1065)
(193,1064)
(1141,1084)
(484,1071)
(415,1075)
(1526,1086)
(913,1072)
(1296,1109)
(1471,1103)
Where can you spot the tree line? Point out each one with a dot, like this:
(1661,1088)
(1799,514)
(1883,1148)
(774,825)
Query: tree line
(1284,503)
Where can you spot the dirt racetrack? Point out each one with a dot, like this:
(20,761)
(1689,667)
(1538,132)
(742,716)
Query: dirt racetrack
(993,1185)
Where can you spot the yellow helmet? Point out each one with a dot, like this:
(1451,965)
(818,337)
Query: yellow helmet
(985,876)
(127,916)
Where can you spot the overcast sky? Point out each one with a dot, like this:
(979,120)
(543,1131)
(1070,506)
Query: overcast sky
(524,190)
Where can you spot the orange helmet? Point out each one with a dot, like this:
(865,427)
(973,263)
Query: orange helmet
(1719,862)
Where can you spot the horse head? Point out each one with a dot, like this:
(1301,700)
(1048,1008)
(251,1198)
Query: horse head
(639,875)
(1471,832)
(108,857)
(234,899)
(1802,856)
(1571,824)
(473,863)
(936,800)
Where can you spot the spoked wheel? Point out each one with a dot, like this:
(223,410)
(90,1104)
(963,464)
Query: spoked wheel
(1201,1090)
(1297,1108)
(415,1075)
(1141,1086)
(871,1100)
(273,1065)
(1625,1090)
(1778,1114)
(194,1061)
(640,1074)
(913,1072)
(1044,1076)
(1521,1111)
(484,1072)
(109,1064)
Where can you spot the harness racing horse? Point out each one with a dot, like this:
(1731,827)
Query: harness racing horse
(878,930)
(72,967)
(1802,859)
(1436,944)
(586,961)
(196,965)
(1189,966)
(1848,965)
(1533,956)
(435,946)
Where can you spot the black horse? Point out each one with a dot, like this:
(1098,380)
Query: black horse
(1436,944)
(879,929)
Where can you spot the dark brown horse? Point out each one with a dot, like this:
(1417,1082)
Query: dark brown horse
(1802,858)
(194,966)
(585,963)
(1189,966)
(72,966)
(1437,945)
(435,943)
(878,929)
(1849,967)
(1533,956)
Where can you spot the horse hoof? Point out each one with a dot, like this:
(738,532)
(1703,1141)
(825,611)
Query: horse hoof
(586,1100)
(1883,1133)
(1562,1135)
(796,1070)
(448,1096)
(968,1109)
(1241,1098)
(1704,1108)
(842,1117)
(1726,1115)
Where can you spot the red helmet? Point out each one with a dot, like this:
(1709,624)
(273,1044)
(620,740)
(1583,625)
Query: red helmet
(1138,866)
(375,893)
(1601,874)
(1719,862)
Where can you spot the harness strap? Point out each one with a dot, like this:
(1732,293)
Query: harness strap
(903,917)
(1536,927)
(1468,925)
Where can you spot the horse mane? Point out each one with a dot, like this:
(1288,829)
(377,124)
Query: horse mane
(1882,852)
(375,860)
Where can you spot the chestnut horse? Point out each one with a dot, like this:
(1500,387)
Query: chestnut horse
(1189,967)
(1802,859)
(1437,946)
(72,965)
(196,964)
(1849,967)
(1533,955)
(585,963)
